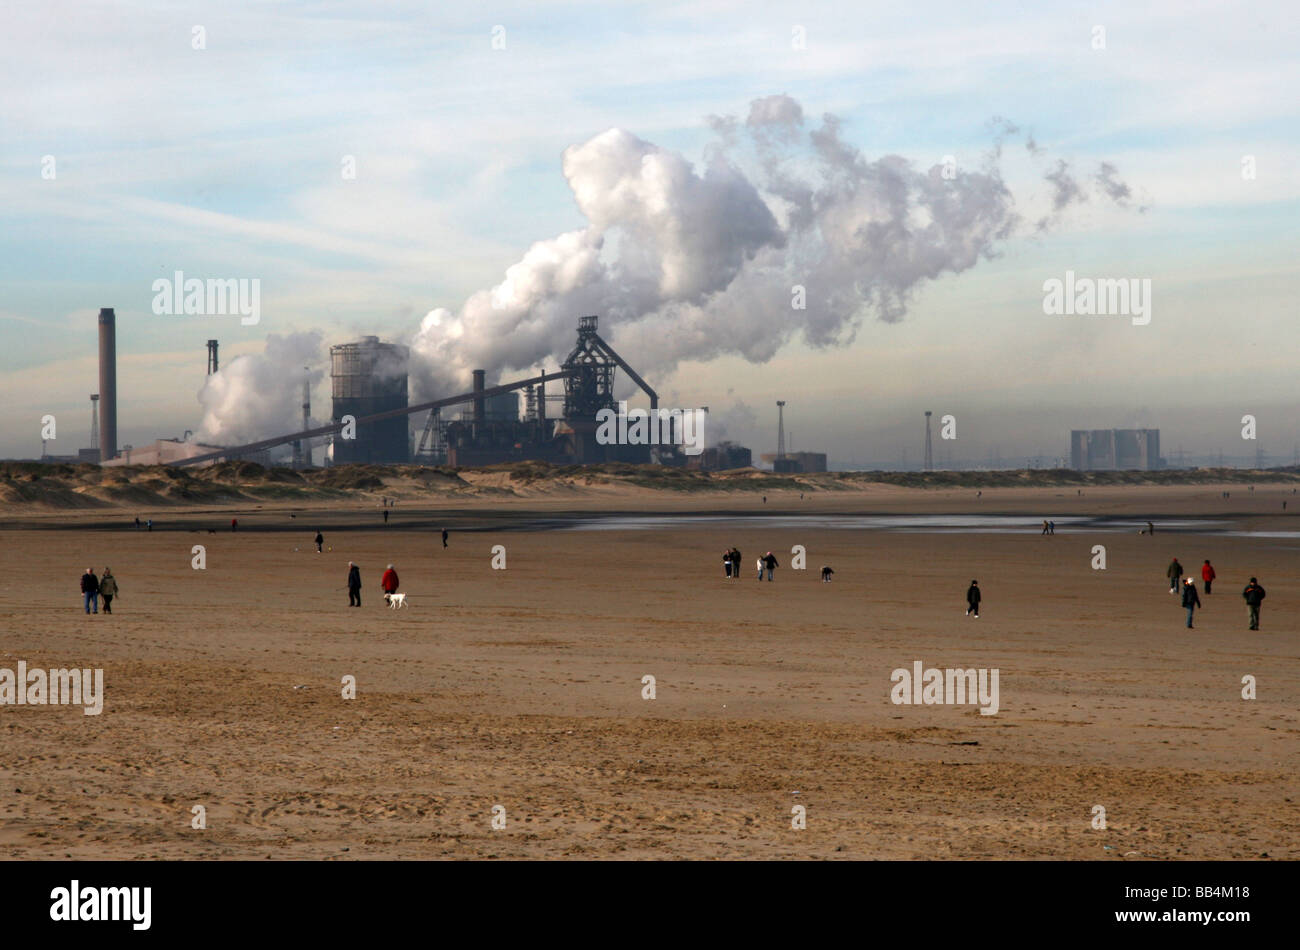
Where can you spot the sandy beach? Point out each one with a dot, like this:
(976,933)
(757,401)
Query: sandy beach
(523,687)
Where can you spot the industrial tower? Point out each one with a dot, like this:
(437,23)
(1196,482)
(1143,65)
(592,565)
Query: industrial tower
(929,448)
(302,447)
(94,419)
(780,428)
(212,357)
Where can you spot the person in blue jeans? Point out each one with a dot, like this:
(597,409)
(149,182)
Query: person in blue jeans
(90,591)
(1190,599)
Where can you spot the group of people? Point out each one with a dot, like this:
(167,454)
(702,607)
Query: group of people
(388,583)
(766,562)
(1253,593)
(1049,527)
(94,588)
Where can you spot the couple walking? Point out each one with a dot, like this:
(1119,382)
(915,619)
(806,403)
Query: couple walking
(93,588)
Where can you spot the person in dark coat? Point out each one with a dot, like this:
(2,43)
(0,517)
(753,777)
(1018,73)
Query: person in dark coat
(770,563)
(1190,599)
(1174,572)
(385,516)
(354,585)
(1254,596)
(90,590)
(735,564)
(973,599)
(444,537)
(726,564)
(320,539)
(826,574)
(108,590)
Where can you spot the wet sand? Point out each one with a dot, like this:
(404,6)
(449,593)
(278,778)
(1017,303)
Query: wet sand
(523,687)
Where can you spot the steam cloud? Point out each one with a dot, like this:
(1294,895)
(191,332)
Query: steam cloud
(683,264)
(694,265)
(259,395)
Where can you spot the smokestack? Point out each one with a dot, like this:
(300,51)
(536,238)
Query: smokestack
(480,407)
(212,357)
(107,384)
(780,428)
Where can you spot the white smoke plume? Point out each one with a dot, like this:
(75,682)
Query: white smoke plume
(259,395)
(694,264)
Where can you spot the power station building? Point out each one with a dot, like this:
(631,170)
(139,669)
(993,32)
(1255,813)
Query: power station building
(792,463)
(1112,450)
(369,377)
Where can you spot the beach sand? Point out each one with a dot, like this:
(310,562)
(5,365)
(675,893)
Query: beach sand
(523,687)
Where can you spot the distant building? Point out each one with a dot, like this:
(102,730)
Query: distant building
(720,457)
(796,462)
(1111,450)
(161,452)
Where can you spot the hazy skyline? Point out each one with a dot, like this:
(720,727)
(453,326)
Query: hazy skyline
(225,162)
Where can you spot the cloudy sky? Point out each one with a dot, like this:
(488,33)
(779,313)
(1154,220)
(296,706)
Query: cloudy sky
(919,169)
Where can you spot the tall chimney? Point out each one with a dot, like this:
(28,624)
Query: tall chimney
(107,384)
(480,407)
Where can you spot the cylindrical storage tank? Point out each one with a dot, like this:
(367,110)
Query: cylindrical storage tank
(369,377)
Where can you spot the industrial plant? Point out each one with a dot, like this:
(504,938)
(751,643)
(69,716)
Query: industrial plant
(370,412)
(1109,450)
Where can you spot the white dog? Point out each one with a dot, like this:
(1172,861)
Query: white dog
(395,601)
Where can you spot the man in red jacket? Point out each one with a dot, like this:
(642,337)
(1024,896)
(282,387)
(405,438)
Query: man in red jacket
(1208,575)
(389,582)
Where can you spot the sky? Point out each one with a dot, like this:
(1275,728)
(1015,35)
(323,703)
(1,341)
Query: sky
(637,159)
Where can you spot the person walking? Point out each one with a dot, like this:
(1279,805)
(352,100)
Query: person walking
(1044,526)
(760,567)
(320,539)
(137,522)
(1151,529)
(735,564)
(149,524)
(385,516)
(973,599)
(1174,572)
(234,524)
(1190,599)
(90,590)
(770,563)
(726,564)
(444,537)
(826,574)
(108,590)
(1208,575)
(389,582)
(354,585)
(1051,525)
(1254,596)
